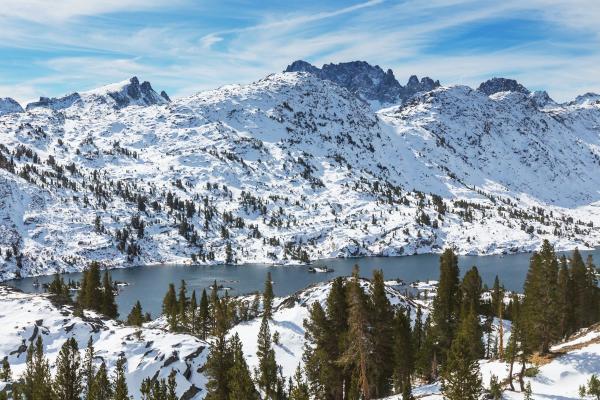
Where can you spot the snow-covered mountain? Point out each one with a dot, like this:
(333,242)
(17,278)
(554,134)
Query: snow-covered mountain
(8,105)
(368,82)
(293,167)
(117,95)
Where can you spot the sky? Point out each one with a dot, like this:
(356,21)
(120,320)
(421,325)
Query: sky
(51,48)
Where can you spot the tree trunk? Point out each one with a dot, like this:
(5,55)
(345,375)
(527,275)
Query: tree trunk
(521,374)
(510,374)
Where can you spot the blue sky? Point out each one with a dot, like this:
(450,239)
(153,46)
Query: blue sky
(49,48)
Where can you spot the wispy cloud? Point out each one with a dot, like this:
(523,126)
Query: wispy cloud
(81,44)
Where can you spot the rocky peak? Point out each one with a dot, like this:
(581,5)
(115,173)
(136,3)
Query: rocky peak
(117,95)
(370,83)
(9,106)
(496,85)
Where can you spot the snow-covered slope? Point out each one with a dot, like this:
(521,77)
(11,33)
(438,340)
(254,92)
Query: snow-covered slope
(149,352)
(288,320)
(293,167)
(8,105)
(117,95)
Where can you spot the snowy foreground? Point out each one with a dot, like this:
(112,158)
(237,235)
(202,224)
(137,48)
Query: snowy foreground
(289,168)
(151,351)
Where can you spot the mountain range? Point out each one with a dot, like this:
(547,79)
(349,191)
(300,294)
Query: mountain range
(310,163)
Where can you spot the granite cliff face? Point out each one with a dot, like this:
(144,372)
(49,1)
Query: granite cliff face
(370,83)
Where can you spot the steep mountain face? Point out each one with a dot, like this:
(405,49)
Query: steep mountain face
(118,95)
(497,85)
(368,82)
(290,168)
(8,105)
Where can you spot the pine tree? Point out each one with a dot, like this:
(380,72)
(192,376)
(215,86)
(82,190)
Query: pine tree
(461,379)
(172,386)
(204,316)
(268,297)
(446,305)
(565,300)
(68,381)
(182,306)
(120,384)
(169,307)
(267,365)
(59,291)
(6,373)
(471,289)
(381,320)
(239,378)
(472,330)
(403,352)
(335,336)
(540,311)
(89,372)
(136,316)
(299,388)
(497,298)
(193,319)
(37,382)
(579,289)
(101,387)
(109,305)
(425,360)
(319,347)
(219,359)
(90,295)
(358,355)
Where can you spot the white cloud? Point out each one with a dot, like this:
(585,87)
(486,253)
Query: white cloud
(394,35)
(46,12)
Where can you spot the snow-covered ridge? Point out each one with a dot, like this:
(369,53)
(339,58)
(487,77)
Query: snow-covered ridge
(294,167)
(149,352)
(117,95)
(8,105)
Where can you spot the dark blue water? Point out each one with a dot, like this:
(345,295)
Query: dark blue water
(149,283)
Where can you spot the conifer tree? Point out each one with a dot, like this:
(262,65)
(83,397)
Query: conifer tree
(204,316)
(298,387)
(471,289)
(318,350)
(580,290)
(219,359)
(381,320)
(120,384)
(426,361)
(193,318)
(59,290)
(446,305)
(88,371)
(267,365)
(182,305)
(461,379)
(169,307)
(136,317)
(90,295)
(5,373)
(102,387)
(108,306)
(268,297)
(334,339)
(68,381)
(37,382)
(540,311)
(171,386)
(358,355)
(403,352)
(238,376)
(565,300)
